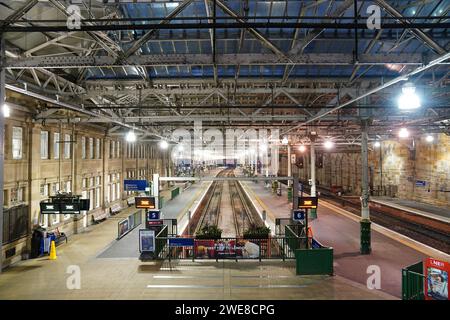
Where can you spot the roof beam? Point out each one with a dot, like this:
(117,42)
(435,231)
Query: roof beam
(301,45)
(142,40)
(374,90)
(19,13)
(419,34)
(258,35)
(330,59)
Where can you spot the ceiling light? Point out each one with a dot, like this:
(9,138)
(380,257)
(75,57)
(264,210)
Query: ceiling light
(403,133)
(263,146)
(328,144)
(180,147)
(377,144)
(163,144)
(302,148)
(409,100)
(6,110)
(429,138)
(285,140)
(131,136)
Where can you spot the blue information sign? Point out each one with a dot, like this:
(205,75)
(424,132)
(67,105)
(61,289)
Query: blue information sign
(421,183)
(181,242)
(135,185)
(299,215)
(153,215)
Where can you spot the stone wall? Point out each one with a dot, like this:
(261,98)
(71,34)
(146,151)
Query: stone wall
(27,176)
(400,174)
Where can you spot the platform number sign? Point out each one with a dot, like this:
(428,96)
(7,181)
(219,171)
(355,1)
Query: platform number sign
(153,215)
(299,215)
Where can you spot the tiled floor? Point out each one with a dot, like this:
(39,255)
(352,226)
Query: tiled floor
(127,278)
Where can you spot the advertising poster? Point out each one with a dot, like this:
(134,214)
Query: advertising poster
(436,282)
(147,240)
(226,249)
(131,221)
(124,226)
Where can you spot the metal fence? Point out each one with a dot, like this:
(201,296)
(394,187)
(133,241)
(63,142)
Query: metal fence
(15,223)
(231,248)
(413,281)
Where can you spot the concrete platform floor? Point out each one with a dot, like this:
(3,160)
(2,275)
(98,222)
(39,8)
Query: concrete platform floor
(103,277)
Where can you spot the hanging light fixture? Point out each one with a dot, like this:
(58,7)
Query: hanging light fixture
(409,100)
(403,133)
(131,136)
(163,144)
(285,140)
(302,148)
(328,144)
(6,110)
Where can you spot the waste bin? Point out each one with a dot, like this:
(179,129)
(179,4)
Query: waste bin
(36,238)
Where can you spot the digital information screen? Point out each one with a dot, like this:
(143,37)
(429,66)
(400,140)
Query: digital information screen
(307,203)
(145,202)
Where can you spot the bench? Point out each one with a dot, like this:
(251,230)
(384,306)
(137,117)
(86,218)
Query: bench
(60,237)
(115,208)
(131,201)
(100,215)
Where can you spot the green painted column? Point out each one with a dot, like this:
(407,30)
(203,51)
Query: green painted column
(365,237)
(365,247)
(289,194)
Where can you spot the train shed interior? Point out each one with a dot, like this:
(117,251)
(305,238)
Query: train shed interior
(224,150)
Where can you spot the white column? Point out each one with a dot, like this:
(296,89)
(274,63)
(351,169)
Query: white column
(2,142)
(289,164)
(313,169)
(365,173)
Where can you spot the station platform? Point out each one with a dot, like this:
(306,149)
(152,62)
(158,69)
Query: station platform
(338,228)
(418,208)
(109,276)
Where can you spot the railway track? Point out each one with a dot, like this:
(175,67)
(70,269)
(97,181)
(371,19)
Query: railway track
(242,216)
(211,211)
(432,233)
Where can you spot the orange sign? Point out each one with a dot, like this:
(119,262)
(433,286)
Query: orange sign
(307,203)
(145,202)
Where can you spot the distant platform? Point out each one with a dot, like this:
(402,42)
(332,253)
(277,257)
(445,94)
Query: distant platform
(419,208)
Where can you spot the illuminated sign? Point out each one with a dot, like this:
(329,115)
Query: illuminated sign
(153,215)
(298,215)
(145,202)
(307,203)
(50,208)
(68,208)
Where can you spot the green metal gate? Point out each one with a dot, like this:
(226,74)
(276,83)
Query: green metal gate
(413,282)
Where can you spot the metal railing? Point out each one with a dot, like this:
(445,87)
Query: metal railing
(231,248)
(413,282)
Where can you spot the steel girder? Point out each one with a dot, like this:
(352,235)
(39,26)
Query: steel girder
(205,59)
